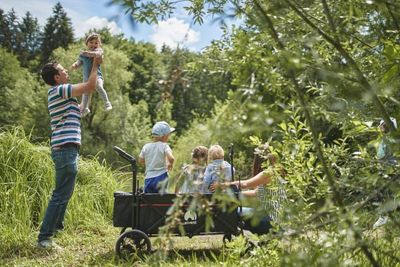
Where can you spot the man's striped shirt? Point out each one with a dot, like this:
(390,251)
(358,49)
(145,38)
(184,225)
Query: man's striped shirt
(65,116)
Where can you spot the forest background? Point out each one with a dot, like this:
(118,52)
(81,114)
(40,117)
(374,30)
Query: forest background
(313,78)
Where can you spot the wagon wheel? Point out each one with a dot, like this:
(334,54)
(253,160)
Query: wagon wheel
(123,230)
(131,242)
(226,238)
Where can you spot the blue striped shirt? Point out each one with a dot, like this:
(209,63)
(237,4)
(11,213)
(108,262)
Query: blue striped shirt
(65,116)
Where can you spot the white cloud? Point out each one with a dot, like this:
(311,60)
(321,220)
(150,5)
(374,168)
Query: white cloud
(42,10)
(172,32)
(95,22)
(38,9)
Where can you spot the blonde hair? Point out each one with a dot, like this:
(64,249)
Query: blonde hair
(215,152)
(93,36)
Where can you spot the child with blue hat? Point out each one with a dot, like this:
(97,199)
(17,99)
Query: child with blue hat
(157,157)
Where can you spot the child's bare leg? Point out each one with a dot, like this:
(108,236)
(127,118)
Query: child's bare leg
(103,94)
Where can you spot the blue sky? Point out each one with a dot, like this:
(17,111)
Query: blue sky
(87,14)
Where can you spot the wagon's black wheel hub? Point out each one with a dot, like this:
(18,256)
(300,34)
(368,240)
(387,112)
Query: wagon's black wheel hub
(131,242)
(226,238)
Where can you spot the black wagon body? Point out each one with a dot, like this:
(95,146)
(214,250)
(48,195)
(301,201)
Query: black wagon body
(146,213)
(152,212)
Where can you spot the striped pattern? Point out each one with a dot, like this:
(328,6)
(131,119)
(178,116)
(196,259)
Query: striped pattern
(272,198)
(65,116)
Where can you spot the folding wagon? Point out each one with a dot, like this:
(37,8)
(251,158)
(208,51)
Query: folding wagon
(146,213)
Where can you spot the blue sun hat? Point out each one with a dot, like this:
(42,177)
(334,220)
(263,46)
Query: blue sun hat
(161,128)
(393,121)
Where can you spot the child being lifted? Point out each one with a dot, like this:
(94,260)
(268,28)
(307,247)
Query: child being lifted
(93,44)
(157,158)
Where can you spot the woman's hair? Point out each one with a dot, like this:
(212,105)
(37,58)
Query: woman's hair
(215,152)
(261,154)
(257,164)
(93,36)
(199,154)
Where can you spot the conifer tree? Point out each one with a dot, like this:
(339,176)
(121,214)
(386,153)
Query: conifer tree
(57,32)
(30,39)
(4,31)
(10,36)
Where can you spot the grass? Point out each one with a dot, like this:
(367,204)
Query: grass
(89,239)
(85,246)
(94,246)
(26,182)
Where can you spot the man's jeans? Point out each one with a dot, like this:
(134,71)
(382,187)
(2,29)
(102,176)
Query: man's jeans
(66,166)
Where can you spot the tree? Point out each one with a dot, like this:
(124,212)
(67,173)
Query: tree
(320,61)
(4,30)
(175,87)
(58,32)
(30,39)
(22,101)
(10,36)
(147,68)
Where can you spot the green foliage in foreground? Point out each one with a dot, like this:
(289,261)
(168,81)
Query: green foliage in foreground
(313,236)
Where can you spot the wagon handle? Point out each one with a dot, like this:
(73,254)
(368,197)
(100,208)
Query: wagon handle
(132,161)
(125,155)
(232,167)
(231,160)
(239,186)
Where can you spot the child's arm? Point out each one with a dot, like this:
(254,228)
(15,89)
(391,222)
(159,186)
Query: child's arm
(142,155)
(76,64)
(170,160)
(141,161)
(96,53)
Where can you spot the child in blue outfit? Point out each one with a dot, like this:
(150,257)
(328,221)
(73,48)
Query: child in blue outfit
(157,157)
(93,44)
(218,170)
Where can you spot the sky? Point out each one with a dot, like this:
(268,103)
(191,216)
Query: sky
(88,14)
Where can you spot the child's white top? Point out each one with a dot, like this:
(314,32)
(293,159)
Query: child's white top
(154,155)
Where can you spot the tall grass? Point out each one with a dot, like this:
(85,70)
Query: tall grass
(26,183)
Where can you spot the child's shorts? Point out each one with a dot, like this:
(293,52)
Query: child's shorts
(151,185)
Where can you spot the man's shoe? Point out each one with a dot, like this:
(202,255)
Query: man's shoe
(382,220)
(47,244)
